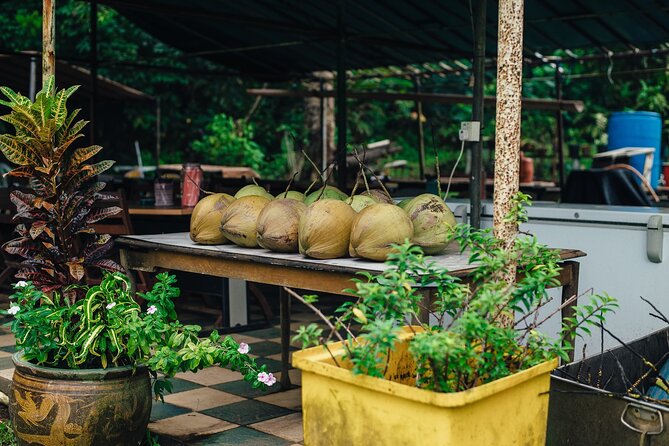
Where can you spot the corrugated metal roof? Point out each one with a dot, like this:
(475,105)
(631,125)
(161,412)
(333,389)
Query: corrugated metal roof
(283,38)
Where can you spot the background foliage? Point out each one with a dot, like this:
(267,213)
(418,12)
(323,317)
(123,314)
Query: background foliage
(191,98)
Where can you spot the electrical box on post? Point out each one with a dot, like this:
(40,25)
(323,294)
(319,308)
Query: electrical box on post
(470,131)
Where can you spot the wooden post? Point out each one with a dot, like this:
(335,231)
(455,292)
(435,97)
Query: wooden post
(507,126)
(48,39)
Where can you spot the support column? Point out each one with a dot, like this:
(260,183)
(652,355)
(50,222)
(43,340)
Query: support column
(94,68)
(507,126)
(341,97)
(560,129)
(48,39)
(284,316)
(158,119)
(477,111)
(420,133)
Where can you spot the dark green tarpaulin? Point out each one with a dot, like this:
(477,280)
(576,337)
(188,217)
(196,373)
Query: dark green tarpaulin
(278,39)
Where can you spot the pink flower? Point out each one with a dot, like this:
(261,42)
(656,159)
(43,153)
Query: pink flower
(266,378)
(152,309)
(243,348)
(111,305)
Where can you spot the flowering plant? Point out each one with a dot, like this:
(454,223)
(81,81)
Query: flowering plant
(107,327)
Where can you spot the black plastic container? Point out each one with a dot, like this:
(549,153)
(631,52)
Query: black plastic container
(589,407)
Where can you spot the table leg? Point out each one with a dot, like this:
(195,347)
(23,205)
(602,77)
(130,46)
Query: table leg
(426,304)
(284,316)
(569,289)
(123,257)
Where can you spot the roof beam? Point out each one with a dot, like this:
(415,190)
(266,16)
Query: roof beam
(438,98)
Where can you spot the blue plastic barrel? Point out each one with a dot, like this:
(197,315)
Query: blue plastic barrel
(638,129)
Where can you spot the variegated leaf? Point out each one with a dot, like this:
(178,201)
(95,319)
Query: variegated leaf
(16,152)
(84,154)
(76,269)
(15,98)
(108,265)
(37,228)
(60,104)
(97,250)
(22,127)
(101,214)
(62,148)
(64,129)
(21,172)
(22,200)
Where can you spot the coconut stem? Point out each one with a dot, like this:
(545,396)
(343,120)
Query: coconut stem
(320,173)
(373,174)
(362,168)
(290,183)
(324,183)
(206,192)
(436,160)
(357,181)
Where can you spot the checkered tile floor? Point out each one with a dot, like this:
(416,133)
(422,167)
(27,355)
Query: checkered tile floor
(216,407)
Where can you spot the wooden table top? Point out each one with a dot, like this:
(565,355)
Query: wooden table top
(159,210)
(457,263)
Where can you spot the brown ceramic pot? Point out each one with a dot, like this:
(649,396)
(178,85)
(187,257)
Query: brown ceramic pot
(62,407)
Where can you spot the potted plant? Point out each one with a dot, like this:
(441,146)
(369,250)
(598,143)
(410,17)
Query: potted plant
(475,375)
(87,353)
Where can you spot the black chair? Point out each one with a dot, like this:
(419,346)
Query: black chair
(605,186)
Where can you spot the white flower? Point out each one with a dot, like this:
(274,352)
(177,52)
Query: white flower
(152,309)
(13,309)
(243,348)
(111,305)
(20,284)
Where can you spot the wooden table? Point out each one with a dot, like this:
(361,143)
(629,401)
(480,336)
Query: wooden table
(177,252)
(159,210)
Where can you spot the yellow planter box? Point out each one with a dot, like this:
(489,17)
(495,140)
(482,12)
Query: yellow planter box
(341,408)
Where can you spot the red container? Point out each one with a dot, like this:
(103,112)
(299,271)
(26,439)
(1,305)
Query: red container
(191,182)
(665,172)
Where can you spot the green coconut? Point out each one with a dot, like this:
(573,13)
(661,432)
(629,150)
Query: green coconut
(278,224)
(379,195)
(325,229)
(253,189)
(205,221)
(360,202)
(376,228)
(431,220)
(403,204)
(291,194)
(240,220)
(330,192)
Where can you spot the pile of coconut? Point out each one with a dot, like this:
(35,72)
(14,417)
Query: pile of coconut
(324,224)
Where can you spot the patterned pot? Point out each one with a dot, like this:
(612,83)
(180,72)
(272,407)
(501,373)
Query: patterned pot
(62,407)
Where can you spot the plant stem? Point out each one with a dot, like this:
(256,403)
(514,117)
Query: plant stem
(318,313)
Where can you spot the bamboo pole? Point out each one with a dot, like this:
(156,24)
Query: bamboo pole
(507,126)
(48,39)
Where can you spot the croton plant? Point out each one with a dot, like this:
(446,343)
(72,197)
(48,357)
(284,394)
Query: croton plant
(55,210)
